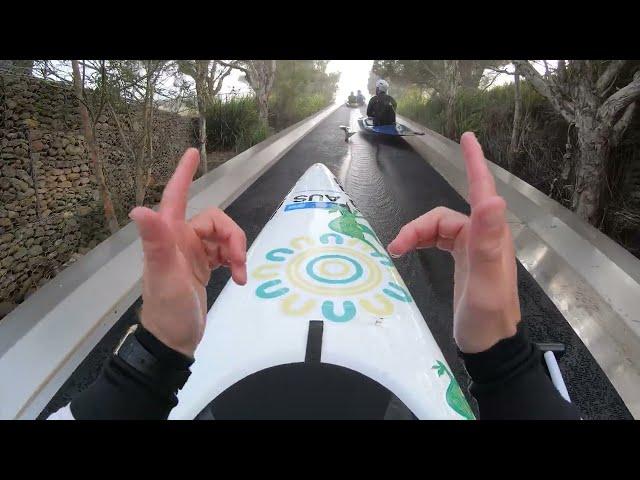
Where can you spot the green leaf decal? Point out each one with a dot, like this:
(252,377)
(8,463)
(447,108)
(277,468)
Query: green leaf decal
(347,225)
(454,396)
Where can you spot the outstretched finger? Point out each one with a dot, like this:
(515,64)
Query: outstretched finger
(174,198)
(479,178)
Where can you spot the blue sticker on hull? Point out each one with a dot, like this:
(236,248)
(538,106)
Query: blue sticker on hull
(298,206)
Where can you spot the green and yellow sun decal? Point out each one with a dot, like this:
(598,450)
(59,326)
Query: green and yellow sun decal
(333,276)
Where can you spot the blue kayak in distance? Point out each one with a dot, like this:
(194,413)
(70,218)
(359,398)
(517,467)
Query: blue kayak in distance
(367,127)
(395,130)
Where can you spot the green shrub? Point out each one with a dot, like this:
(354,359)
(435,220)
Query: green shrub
(234,124)
(426,110)
(249,137)
(285,112)
(307,105)
(301,88)
(489,113)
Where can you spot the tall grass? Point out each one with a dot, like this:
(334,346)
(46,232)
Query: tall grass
(307,105)
(426,110)
(287,111)
(489,113)
(234,124)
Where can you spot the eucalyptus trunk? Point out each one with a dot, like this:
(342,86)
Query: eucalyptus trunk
(263,107)
(585,94)
(590,192)
(92,148)
(452,79)
(517,120)
(141,184)
(201,68)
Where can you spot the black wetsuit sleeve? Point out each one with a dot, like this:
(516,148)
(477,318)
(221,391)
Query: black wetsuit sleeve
(394,103)
(509,381)
(371,107)
(122,392)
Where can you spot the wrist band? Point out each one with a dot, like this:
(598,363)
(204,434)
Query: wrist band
(134,354)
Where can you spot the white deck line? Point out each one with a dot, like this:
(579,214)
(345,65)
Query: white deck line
(46,338)
(592,280)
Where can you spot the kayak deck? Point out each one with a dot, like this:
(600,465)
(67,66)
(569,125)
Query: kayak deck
(318,264)
(306,391)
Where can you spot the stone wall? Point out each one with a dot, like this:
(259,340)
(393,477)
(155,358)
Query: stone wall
(50,212)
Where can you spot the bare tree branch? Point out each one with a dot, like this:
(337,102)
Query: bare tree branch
(51,71)
(616,103)
(216,85)
(500,70)
(621,125)
(607,79)
(103,88)
(545,88)
(92,149)
(491,82)
(562,71)
(235,64)
(123,138)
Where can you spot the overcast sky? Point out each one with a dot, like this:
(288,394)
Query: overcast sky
(355,74)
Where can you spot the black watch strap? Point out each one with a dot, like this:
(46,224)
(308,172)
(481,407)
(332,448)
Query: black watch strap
(133,353)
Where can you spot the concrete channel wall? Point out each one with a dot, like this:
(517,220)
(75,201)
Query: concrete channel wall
(593,281)
(44,339)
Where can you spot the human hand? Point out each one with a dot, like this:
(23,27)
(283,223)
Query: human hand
(179,256)
(485,299)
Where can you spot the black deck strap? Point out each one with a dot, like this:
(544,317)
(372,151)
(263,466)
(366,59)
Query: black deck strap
(557,348)
(314,342)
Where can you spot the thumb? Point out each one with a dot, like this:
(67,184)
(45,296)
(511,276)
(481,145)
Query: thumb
(158,243)
(486,235)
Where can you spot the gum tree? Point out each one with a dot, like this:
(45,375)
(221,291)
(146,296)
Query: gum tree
(259,74)
(134,87)
(208,76)
(600,98)
(89,114)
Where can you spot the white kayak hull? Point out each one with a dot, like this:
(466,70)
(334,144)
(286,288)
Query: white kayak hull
(318,259)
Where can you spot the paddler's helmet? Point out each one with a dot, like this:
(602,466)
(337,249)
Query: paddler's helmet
(382,86)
